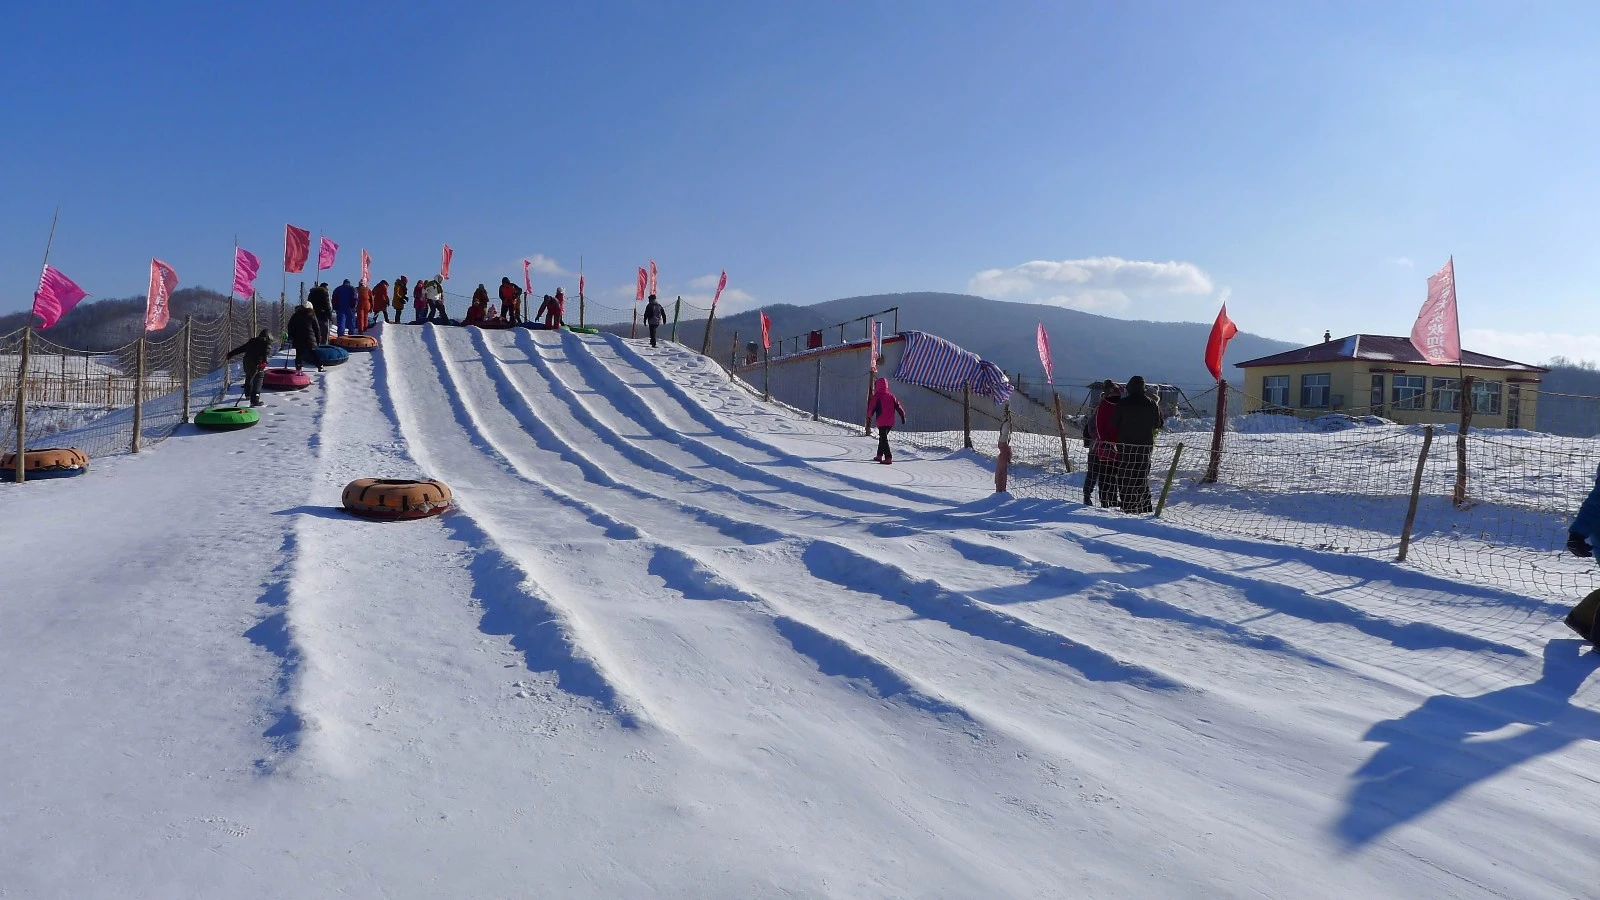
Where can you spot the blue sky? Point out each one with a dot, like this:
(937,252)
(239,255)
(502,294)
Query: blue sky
(1312,162)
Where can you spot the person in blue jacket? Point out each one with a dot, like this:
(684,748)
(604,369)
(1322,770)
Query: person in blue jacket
(1580,542)
(344,308)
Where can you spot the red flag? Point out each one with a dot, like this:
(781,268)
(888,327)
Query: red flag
(56,296)
(1221,333)
(1043,341)
(721,283)
(644,280)
(444,264)
(162,281)
(366,266)
(1437,332)
(326,254)
(766,331)
(580,285)
(527,280)
(652,276)
(296,248)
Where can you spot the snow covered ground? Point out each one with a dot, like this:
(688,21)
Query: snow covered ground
(678,642)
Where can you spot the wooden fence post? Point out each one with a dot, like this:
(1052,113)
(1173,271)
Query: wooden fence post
(868,429)
(138,396)
(1459,498)
(21,473)
(1002,463)
(634,331)
(1217,432)
(677,307)
(1416,492)
(733,358)
(188,362)
(705,342)
(766,374)
(1166,488)
(966,416)
(227,344)
(1061,429)
(816,399)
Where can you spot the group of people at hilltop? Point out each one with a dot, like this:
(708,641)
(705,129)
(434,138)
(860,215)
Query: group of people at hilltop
(1120,433)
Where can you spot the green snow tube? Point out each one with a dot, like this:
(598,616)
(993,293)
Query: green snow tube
(576,329)
(226,418)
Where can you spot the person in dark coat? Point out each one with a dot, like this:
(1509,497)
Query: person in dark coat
(322,304)
(255,352)
(655,315)
(1137,419)
(1582,535)
(303,332)
(345,301)
(1100,436)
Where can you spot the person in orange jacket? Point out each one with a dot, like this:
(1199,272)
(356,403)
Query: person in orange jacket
(363,306)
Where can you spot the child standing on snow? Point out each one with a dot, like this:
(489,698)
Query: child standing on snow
(883,408)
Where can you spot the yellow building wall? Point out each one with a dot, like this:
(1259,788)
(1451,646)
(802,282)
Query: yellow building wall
(1351,382)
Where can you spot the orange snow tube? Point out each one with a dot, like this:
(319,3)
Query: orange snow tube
(355,342)
(52,462)
(396,498)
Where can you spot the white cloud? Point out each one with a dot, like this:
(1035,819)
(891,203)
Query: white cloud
(706,282)
(1099,284)
(1403,262)
(1536,347)
(544,265)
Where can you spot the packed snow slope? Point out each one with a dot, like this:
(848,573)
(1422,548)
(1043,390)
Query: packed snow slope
(678,642)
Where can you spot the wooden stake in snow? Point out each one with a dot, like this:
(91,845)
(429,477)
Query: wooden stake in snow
(1061,429)
(1459,498)
(138,396)
(1416,492)
(188,362)
(22,407)
(1172,470)
(1217,432)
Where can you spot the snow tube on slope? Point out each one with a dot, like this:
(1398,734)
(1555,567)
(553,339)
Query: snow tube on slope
(354,342)
(580,330)
(49,462)
(492,324)
(285,380)
(332,356)
(226,418)
(396,498)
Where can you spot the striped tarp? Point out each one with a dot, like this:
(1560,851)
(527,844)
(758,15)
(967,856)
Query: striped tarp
(933,362)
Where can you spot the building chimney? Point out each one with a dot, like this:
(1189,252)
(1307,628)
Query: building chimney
(1327,337)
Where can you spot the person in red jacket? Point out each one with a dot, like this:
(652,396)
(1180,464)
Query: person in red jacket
(1101,439)
(510,301)
(882,411)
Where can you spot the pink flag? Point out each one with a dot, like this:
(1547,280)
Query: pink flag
(326,253)
(296,248)
(527,280)
(366,266)
(444,263)
(1222,331)
(162,281)
(1043,340)
(1437,333)
(721,283)
(877,343)
(245,267)
(644,281)
(580,285)
(56,296)
(652,276)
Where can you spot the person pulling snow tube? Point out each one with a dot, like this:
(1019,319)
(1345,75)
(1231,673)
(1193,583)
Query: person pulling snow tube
(285,380)
(226,418)
(49,462)
(355,342)
(396,498)
(329,355)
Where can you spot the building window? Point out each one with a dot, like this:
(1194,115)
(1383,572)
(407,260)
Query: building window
(1446,395)
(1314,391)
(1409,391)
(1486,398)
(1275,391)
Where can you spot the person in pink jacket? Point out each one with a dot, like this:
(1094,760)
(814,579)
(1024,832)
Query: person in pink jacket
(882,410)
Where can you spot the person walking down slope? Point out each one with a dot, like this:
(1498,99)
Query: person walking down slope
(344,307)
(510,301)
(882,410)
(255,352)
(1137,419)
(1100,436)
(302,328)
(380,303)
(655,316)
(434,294)
(322,305)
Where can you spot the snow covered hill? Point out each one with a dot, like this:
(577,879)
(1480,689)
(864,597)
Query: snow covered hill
(677,642)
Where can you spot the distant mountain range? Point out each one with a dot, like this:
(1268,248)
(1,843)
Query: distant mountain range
(1084,346)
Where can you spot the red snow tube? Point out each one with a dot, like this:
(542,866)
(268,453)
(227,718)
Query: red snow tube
(396,498)
(285,380)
